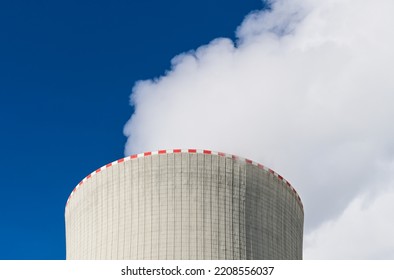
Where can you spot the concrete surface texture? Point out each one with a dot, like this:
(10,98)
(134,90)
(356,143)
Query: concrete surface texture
(184,204)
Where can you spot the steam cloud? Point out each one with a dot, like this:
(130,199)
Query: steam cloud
(306,89)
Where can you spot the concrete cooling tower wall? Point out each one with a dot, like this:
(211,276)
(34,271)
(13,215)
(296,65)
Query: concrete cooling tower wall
(184,204)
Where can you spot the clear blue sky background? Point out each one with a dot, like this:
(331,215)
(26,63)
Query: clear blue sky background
(66,72)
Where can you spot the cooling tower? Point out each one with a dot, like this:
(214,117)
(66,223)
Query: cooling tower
(184,204)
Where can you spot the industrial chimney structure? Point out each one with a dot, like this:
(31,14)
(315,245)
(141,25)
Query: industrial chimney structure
(184,204)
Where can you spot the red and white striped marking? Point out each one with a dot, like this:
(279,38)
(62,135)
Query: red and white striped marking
(189,151)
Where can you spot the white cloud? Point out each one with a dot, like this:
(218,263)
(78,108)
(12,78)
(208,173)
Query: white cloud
(306,90)
(363,231)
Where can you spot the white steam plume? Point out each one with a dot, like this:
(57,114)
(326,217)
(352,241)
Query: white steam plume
(307,89)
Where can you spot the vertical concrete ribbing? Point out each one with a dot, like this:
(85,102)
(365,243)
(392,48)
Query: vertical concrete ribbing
(184,206)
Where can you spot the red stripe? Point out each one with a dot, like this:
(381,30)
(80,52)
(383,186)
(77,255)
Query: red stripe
(192,150)
(90,175)
(162,151)
(260,166)
(80,183)
(248,161)
(271,171)
(221,154)
(177,151)
(133,156)
(120,160)
(98,170)
(147,154)
(109,165)
(280,177)
(207,152)
(288,184)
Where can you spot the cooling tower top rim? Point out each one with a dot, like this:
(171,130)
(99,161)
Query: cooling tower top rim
(189,151)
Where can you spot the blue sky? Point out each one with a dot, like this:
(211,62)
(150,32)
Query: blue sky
(66,73)
(304,88)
